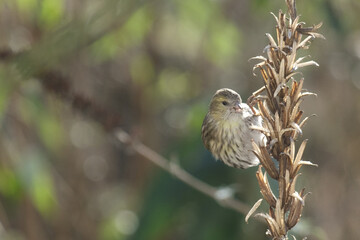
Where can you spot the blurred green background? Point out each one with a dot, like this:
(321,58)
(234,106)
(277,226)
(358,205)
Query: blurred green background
(157,64)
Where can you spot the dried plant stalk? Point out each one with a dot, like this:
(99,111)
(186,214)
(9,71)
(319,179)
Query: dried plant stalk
(280,109)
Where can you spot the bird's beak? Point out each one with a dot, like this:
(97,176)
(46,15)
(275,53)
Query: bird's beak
(237,108)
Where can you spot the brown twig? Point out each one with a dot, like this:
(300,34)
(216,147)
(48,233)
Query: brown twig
(178,172)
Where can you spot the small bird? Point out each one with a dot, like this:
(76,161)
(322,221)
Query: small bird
(227,130)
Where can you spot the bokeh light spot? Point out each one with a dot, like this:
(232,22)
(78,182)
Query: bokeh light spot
(126,222)
(95,168)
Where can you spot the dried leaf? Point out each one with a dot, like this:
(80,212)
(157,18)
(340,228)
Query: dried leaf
(298,117)
(287,177)
(309,63)
(256,148)
(269,164)
(282,70)
(271,40)
(308,94)
(305,120)
(295,212)
(296,127)
(291,189)
(268,125)
(272,142)
(278,89)
(317,35)
(311,31)
(298,197)
(257,66)
(253,209)
(262,58)
(260,129)
(295,109)
(307,163)
(300,152)
(295,22)
(298,89)
(302,44)
(279,215)
(277,123)
(300,59)
(291,61)
(292,150)
(265,159)
(297,168)
(291,8)
(265,111)
(296,208)
(276,18)
(264,74)
(274,227)
(265,187)
(273,73)
(286,112)
(284,131)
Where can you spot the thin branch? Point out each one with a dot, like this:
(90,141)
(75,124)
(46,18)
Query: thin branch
(178,172)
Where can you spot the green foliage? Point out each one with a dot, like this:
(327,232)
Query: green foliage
(10,186)
(223,42)
(108,231)
(27,6)
(48,13)
(127,36)
(37,180)
(51,13)
(142,69)
(6,89)
(198,13)
(195,116)
(42,192)
(172,78)
(222,39)
(47,123)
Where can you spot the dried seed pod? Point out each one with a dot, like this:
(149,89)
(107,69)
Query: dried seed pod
(281,114)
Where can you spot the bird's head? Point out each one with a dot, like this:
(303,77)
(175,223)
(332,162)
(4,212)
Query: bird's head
(225,103)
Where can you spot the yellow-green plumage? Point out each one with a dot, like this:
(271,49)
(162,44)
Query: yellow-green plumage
(227,130)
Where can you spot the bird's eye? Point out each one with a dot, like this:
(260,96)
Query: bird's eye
(225,103)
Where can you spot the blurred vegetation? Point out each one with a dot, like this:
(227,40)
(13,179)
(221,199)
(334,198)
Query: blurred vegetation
(156,64)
